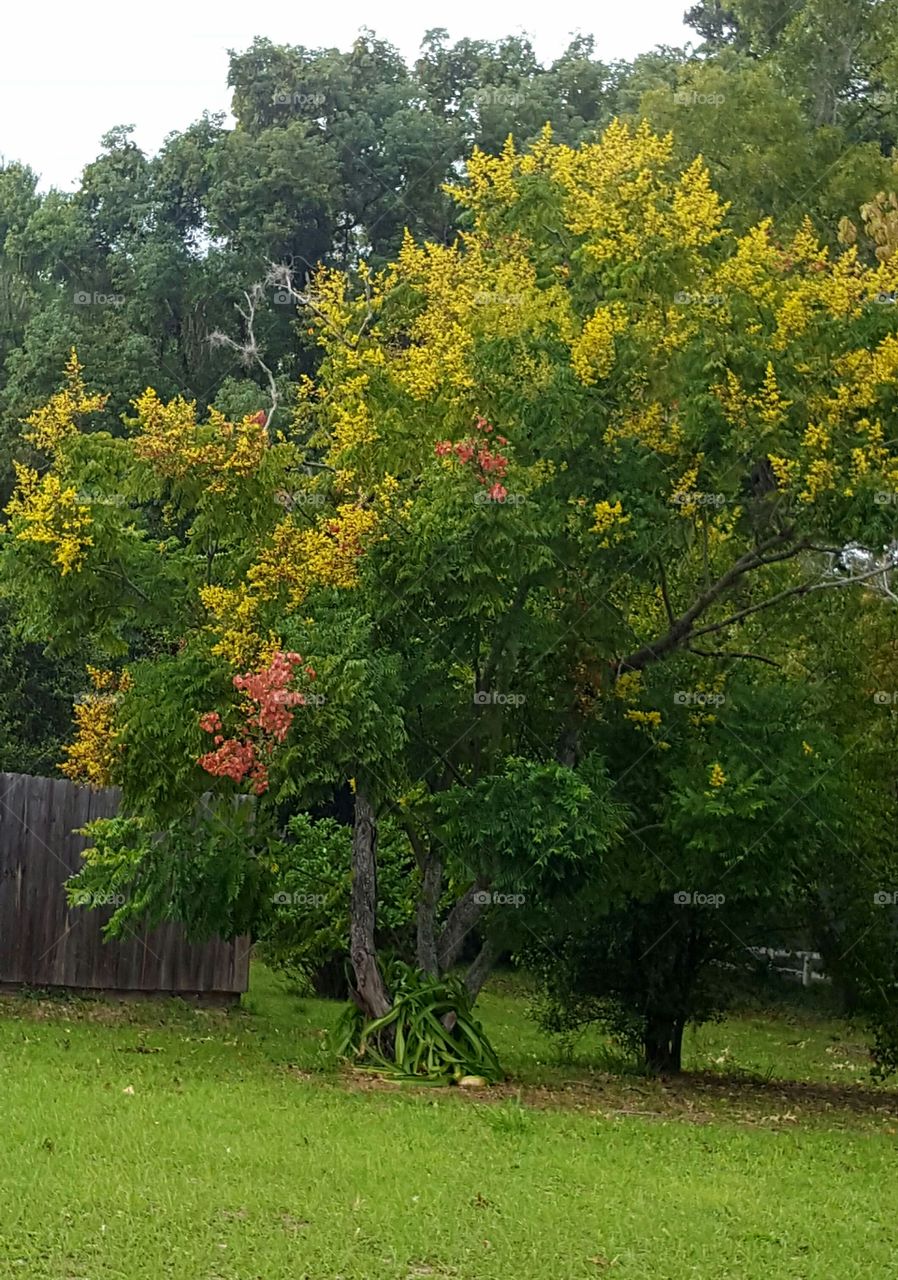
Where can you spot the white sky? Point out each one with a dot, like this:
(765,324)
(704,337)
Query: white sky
(69,72)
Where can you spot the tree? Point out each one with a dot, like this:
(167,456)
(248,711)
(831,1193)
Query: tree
(744,834)
(597,434)
(834,53)
(335,153)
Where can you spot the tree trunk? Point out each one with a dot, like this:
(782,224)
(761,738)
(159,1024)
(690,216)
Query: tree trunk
(462,919)
(369,992)
(430,865)
(567,750)
(663,1045)
(481,967)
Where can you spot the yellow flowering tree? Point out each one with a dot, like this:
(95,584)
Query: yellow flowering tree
(543,479)
(624,440)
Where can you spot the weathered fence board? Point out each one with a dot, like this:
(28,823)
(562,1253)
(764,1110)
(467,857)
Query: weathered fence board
(44,942)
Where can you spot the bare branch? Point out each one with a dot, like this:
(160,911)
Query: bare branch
(723,653)
(805,589)
(280,274)
(249,350)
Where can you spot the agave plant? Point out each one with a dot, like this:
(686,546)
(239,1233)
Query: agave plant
(429,1036)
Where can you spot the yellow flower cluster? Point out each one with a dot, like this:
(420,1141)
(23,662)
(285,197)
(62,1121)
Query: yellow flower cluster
(655,427)
(53,421)
(771,405)
(647,719)
(628,686)
(696,208)
(448,298)
(490,310)
(683,496)
(91,758)
(816,438)
(680,326)
(609,521)
(865,372)
(592,353)
(296,558)
(649,722)
(492,176)
(531,372)
(716,775)
(621,198)
(45,512)
(171,440)
(784,469)
(767,409)
(620,194)
(842,443)
(820,477)
(350,421)
(234,612)
(440,338)
(798,284)
(299,556)
(752,269)
(733,399)
(837,289)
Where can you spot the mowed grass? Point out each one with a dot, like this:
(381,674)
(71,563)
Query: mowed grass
(154,1140)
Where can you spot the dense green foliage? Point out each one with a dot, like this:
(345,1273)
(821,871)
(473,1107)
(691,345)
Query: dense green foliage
(334,154)
(302,931)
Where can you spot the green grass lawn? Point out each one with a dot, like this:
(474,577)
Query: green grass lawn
(153,1140)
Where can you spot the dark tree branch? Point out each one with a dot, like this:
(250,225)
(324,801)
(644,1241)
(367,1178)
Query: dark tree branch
(722,653)
(481,967)
(682,630)
(462,919)
(430,864)
(665,593)
(804,590)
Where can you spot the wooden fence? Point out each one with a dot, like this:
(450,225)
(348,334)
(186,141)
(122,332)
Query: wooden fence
(44,942)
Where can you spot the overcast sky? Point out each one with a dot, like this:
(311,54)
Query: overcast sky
(70,72)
